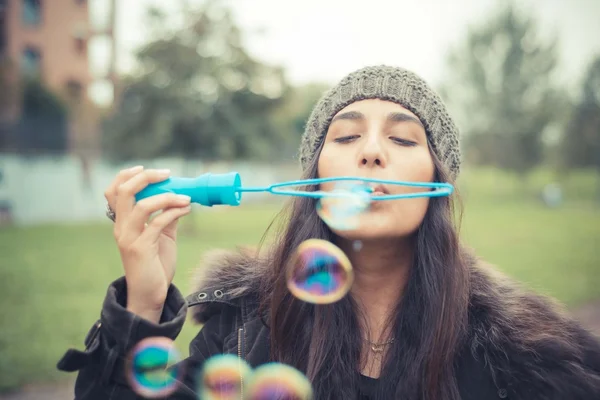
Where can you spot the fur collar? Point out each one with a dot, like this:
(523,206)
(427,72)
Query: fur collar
(529,343)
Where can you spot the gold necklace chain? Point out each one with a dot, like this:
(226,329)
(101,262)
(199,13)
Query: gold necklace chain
(378,347)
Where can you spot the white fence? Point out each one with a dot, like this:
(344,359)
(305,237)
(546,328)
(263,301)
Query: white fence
(41,189)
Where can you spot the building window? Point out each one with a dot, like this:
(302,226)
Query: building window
(32,12)
(80,46)
(31,62)
(80,36)
(74,90)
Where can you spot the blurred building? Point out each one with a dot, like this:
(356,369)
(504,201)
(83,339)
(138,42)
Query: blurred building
(49,40)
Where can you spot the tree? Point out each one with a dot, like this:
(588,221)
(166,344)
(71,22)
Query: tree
(43,121)
(500,89)
(580,144)
(199,95)
(291,116)
(7,100)
(33,118)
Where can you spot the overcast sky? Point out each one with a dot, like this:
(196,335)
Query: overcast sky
(325,39)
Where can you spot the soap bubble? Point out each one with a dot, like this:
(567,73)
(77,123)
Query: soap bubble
(319,272)
(342,207)
(276,381)
(222,377)
(357,245)
(151,369)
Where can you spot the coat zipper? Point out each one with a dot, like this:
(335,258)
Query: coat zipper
(241,357)
(94,334)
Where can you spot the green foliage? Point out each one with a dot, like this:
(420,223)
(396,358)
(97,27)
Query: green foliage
(290,118)
(580,145)
(7,97)
(43,121)
(7,91)
(199,95)
(502,94)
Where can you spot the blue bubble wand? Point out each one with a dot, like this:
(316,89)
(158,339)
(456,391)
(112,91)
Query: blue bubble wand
(226,189)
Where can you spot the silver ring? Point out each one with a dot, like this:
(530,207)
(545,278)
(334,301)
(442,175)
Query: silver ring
(110,213)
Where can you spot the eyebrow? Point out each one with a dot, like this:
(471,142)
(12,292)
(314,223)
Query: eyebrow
(392,117)
(349,115)
(401,117)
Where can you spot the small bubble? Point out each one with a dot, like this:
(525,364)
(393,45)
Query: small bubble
(319,272)
(357,245)
(222,376)
(152,370)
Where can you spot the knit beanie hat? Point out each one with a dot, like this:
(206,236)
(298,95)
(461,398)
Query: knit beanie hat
(393,84)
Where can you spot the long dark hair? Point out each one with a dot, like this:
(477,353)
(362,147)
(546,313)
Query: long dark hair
(325,342)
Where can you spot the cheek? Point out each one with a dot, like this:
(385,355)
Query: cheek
(415,167)
(331,163)
(407,214)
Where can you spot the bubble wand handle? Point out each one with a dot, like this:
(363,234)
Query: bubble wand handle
(207,189)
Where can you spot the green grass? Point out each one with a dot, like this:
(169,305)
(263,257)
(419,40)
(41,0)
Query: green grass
(53,277)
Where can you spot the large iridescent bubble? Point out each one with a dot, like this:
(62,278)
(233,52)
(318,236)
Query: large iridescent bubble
(319,272)
(151,368)
(276,381)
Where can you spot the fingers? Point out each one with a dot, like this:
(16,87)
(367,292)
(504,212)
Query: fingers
(123,176)
(126,191)
(166,221)
(171,229)
(135,223)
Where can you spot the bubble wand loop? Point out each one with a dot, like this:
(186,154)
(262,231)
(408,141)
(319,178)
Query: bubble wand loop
(214,189)
(441,189)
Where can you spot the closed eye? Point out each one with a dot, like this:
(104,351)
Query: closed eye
(403,142)
(346,139)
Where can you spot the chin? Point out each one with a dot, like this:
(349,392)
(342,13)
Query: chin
(378,225)
(371,233)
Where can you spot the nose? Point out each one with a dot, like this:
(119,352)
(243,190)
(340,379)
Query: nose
(372,154)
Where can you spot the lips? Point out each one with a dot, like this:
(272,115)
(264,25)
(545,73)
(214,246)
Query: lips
(379,190)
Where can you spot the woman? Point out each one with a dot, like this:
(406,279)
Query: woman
(425,319)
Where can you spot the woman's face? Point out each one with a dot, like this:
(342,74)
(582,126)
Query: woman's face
(383,140)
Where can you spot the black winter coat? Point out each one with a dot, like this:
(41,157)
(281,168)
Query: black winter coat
(520,345)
